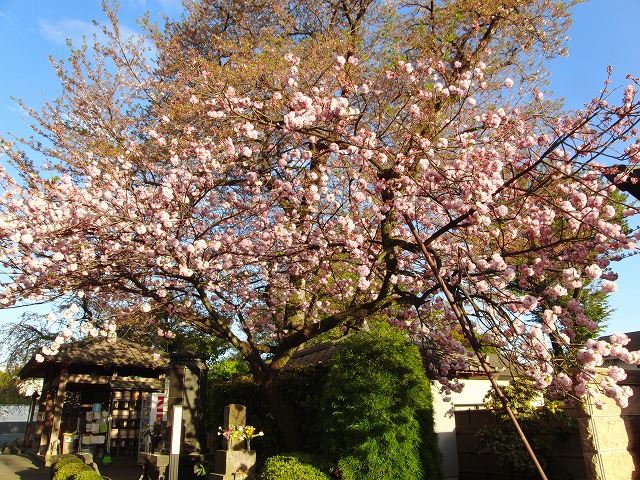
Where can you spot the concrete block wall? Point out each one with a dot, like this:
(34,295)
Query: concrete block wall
(610,437)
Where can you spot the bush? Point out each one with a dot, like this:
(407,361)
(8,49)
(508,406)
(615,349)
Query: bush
(399,400)
(64,461)
(379,421)
(67,471)
(296,466)
(87,475)
(227,370)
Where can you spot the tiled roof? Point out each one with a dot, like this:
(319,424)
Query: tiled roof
(100,352)
(314,356)
(633,345)
(319,355)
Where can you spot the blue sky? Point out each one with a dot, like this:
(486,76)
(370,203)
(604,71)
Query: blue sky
(604,32)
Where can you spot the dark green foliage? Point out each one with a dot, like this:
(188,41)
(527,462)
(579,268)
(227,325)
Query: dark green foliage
(301,390)
(296,466)
(379,420)
(381,378)
(243,391)
(87,475)
(69,470)
(544,432)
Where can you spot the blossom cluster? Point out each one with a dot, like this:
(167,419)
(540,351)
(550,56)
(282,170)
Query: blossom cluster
(289,212)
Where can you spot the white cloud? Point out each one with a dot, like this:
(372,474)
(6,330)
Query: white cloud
(59,32)
(72,29)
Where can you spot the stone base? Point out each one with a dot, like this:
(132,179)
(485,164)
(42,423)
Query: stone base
(232,476)
(235,464)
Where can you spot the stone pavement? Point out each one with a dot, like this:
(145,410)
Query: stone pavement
(26,467)
(122,468)
(21,467)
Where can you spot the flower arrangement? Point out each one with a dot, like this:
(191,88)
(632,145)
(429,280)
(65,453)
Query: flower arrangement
(239,432)
(230,433)
(250,431)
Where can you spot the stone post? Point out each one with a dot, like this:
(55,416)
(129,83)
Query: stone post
(236,462)
(187,372)
(234,415)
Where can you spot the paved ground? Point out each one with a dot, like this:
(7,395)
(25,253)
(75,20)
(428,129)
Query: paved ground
(121,469)
(21,467)
(25,467)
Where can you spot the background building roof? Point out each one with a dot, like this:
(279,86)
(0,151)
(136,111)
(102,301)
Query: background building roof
(99,352)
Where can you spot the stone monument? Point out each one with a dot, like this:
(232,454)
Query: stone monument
(235,462)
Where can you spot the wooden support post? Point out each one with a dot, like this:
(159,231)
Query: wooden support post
(54,440)
(46,422)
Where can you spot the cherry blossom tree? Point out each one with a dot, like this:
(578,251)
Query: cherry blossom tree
(350,162)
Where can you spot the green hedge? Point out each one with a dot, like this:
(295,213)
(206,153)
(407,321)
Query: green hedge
(302,390)
(379,413)
(68,470)
(87,475)
(296,466)
(62,461)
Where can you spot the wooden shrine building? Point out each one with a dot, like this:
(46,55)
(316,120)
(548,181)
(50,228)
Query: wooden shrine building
(92,395)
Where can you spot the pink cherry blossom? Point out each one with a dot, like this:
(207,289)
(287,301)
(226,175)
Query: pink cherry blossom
(330,192)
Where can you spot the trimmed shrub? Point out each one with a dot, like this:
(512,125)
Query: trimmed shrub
(379,420)
(87,475)
(545,427)
(69,470)
(64,461)
(296,466)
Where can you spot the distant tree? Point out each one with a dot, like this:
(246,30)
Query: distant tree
(22,339)
(10,388)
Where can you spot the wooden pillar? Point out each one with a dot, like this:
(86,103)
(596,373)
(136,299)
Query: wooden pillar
(57,413)
(53,414)
(30,431)
(45,416)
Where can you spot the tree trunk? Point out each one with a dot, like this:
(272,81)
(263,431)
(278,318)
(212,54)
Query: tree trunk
(288,428)
(265,375)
